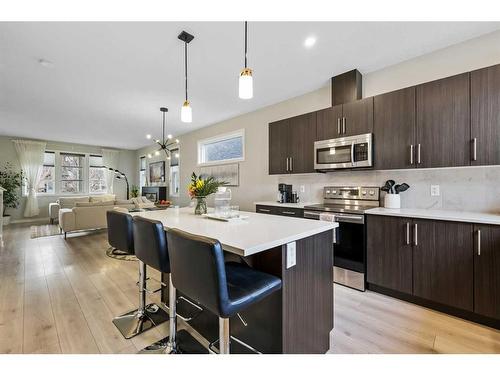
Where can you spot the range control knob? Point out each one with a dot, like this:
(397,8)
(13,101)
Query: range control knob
(363,192)
(334,191)
(372,192)
(328,192)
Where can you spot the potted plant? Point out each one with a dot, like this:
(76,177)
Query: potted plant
(134,191)
(200,188)
(11,180)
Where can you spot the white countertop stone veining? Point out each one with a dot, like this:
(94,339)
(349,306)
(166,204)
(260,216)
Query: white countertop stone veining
(447,215)
(243,237)
(289,205)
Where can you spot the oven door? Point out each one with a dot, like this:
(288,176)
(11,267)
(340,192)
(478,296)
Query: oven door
(349,247)
(333,154)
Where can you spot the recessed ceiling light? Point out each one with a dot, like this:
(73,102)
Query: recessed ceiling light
(46,63)
(310,41)
(148,136)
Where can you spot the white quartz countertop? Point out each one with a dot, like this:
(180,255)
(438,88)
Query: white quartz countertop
(289,205)
(447,215)
(245,237)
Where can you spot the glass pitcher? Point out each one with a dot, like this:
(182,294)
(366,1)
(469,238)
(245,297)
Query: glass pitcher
(222,201)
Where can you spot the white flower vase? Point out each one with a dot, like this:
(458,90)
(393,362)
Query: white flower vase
(392,201)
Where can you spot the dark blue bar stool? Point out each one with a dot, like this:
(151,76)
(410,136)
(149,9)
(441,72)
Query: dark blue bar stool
(150,242)
(198,270)
(121,237)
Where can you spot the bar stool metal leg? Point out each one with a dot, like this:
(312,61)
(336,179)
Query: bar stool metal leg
(172,301)
(137,321)
(224,336)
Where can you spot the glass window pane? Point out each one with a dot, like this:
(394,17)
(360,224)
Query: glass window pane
(71,186)
(97,180)
(175,157)
(46,184)
(49,158)
(226,149)
(143,163)
(95,161)
(142,178)
(72,160)
(71,173)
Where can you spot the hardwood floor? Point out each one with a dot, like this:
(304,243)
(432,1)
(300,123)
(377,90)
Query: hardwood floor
(60,296)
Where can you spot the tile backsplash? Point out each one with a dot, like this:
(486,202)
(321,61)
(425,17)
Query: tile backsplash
(464,189)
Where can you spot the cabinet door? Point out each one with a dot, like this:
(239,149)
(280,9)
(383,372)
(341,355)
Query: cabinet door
(443,122)
(485,115)
(394,129)
(301,147)
(487,271)
(328,123)
(358,117)
(278,146)
(389,252)
(443,262)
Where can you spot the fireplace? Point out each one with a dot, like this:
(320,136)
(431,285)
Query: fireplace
(154,193)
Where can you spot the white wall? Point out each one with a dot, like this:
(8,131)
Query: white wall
(465,188)
(8,154)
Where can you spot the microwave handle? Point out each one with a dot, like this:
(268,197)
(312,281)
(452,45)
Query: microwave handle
(352,154)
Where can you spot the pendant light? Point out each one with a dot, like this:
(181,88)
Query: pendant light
(186,110)
(246,79)
(165,143)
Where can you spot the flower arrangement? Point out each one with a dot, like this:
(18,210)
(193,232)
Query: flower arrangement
(200,188)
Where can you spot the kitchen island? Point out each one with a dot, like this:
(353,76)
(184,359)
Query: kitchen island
(296,319)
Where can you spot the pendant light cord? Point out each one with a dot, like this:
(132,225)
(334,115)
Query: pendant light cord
(163,129)
(245,44)
(186,68)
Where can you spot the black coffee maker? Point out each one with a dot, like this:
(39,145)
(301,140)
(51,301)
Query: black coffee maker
(285,193)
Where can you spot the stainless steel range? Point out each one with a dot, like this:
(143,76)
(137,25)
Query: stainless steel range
(347,205)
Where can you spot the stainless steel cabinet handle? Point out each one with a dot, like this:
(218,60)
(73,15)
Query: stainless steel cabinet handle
(264,210)
(291,164)
(411,154)
(415,235)
(338,125)
(418,154)
(479,242)
(287,164)
(407,233)
(343,125)
(474,149)
(288,212)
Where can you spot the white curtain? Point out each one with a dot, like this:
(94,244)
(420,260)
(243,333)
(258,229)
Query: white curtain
(30,154)
(110,159)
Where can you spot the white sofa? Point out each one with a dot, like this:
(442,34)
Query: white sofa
(83,213)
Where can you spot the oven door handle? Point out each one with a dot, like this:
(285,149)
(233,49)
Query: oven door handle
(352,155)
(311,215)
(346,218)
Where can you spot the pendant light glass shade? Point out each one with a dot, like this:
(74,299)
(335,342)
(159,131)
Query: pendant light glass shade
(246,84)
(186,112)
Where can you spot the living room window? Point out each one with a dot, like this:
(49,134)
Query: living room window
(72,173)
(229,147)
(142,172)
(47,178)
(97,175)
(174,173)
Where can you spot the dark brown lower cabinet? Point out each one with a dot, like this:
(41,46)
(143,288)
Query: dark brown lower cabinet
(389,253)
(487,270)
(443,262)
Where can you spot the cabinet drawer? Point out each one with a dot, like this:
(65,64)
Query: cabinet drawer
(266,210)
(292,212)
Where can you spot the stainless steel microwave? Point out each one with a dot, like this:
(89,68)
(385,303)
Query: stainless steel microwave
(346,152)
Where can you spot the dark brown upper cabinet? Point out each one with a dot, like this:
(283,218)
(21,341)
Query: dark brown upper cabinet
(345,120)
(443,262)
(389,253)
(291,144)
(301,147)
(358,117)
(487,271)
(278,146)
(394,129)
(328,123)
(443,123)
(347,87)
(485,116)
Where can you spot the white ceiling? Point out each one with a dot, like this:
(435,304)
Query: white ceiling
(109,79)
